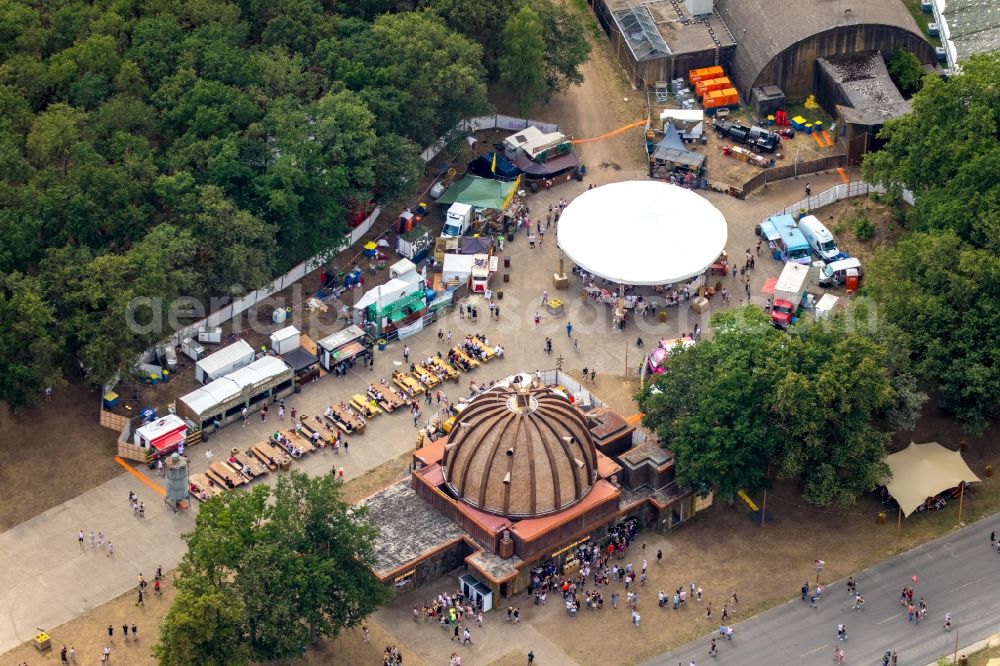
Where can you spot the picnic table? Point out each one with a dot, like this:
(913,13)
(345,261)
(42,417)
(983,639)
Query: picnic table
(353,422)
(256,467)
(409,385)
(365,406)
(483,347)
(286,445)
(425,375)
(224,475)
(203,488)
(449,371)
(272,455)
(464,361)
(391,398)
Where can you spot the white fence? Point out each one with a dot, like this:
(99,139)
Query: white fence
(855,188)
(247,301)
(481,123)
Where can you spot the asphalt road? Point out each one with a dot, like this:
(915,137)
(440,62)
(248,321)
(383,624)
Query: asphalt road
(956,573)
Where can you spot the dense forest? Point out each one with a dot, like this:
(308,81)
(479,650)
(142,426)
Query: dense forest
(158,148)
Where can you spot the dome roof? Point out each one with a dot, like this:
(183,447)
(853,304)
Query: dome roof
(520,452)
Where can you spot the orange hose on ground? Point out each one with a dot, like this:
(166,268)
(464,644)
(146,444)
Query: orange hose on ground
(819,141)
(611,133)
(826,135)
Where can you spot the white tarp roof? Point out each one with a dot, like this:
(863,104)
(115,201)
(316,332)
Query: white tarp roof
(402,267)
(260,372)
(225,356)
(384,294)
(792,277)
(457,264)
(341,337)
(923,470)
(827,302)
(683,115)
(642,232)
(284,334)
(218,392)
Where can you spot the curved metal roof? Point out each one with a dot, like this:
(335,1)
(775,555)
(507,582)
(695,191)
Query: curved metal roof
(765,28)
(520,452)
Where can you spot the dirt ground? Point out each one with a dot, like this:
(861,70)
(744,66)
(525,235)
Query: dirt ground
(52,453)
(839,217)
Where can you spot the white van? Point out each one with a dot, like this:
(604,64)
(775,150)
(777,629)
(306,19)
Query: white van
(835,274)
(819,238)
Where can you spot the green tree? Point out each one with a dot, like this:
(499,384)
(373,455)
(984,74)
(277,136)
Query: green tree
(30,351)
(522,62)
(202,628)
(945,152)
(906,71)
(813,405)
(292,561)
(566,46)
(711,407)
(941,294)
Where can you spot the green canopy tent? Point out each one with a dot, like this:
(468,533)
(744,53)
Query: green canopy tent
(482,193)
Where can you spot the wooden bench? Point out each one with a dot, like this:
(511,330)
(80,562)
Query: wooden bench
(287,448)
(480,345)
(272,455)
(390,398)
(219,472)
(450,371)
(364,406)
(468,360)
(334,422)
(257,468)
(301,440)
(410,386)
(353,422)
(426,376)
(206,488)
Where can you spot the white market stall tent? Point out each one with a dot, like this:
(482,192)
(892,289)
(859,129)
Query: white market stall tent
(642,233)
(224,361)
(921,471)
(252,386)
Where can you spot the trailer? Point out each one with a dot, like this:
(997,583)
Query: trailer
(226,360)
(162,436)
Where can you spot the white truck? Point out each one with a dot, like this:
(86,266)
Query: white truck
(819,238)
(788,294)
(458,220)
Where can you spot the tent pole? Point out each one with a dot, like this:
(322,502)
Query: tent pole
(961,501)
(899,525)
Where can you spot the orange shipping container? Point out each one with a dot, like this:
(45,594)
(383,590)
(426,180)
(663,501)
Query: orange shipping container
(709,85)
(717,98)
(696,75)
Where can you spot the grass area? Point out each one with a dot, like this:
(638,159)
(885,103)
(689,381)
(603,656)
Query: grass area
(798,108)
(983,657)
(922,20)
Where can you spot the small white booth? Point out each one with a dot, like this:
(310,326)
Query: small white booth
(476,591)
(826,306)
(162,436)
(224,361)
(285,340)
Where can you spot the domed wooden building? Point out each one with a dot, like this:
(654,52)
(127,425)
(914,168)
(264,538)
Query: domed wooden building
(527,474)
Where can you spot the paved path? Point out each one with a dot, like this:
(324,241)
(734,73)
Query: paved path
(956,573)
(51,580)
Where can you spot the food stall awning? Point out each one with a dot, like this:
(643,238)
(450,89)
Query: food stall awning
(921,471)
(299,359)
(480,193)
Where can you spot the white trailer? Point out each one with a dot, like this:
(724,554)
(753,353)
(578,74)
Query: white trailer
(235,356)
(285,340)
(791,283)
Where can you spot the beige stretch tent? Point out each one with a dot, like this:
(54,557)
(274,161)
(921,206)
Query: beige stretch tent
(923,470)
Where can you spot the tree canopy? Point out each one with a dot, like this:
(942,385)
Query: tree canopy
(197,149)
(945,152)
(815,405)
(269,570)
(521,69)
(938,284)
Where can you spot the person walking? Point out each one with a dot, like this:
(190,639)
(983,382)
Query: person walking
(245,414)
(80,538)
(111,548)
(545,298)
(125,631)
(569,329)
(135,632)
(111,634)
(531,657)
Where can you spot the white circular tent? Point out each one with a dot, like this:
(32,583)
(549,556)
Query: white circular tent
(642,232)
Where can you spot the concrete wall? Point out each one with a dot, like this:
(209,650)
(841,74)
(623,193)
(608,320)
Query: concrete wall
(794,68)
